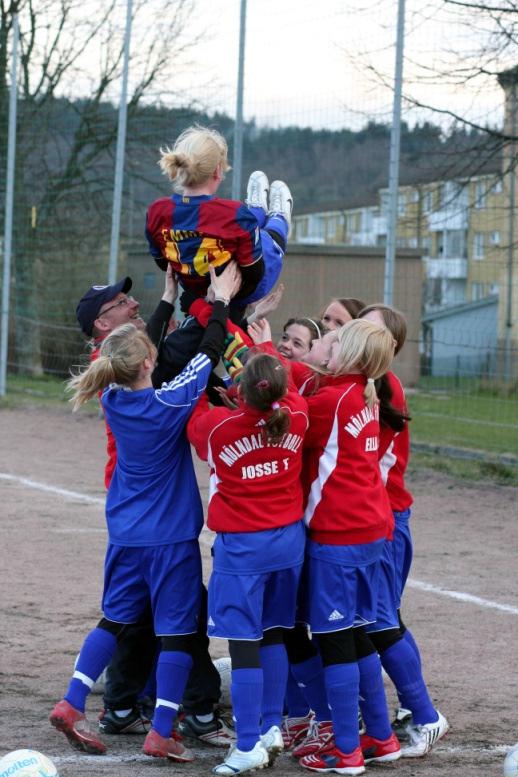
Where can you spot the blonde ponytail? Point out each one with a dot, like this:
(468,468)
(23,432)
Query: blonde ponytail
(120,359)
(194,157)
(365,348)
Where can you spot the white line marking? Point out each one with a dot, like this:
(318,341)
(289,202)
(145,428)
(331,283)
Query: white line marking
(203,754)
(94,500)
(418,584)
(462,597)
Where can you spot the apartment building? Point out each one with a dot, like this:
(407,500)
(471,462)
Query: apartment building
(460,226)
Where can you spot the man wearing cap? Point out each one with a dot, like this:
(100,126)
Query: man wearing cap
(101,310)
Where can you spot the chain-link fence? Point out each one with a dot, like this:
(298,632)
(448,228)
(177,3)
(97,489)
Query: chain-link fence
(317,113)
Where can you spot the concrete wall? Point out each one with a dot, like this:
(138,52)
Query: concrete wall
(313,275)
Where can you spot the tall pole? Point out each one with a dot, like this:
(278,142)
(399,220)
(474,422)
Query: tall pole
(237,163)
(119,157)
(395,138)
(510,250)
(9,200)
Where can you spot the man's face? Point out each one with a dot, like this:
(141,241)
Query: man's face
(122,309)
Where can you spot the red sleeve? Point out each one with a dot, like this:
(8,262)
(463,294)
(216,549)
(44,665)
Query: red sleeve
(201,423)
(202,311)
(320,414)
(111,447)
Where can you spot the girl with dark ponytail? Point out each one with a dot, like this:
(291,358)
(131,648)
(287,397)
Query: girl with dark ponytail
(417,720)
(255,508)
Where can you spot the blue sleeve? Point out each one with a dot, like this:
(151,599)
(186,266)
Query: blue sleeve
(185,390)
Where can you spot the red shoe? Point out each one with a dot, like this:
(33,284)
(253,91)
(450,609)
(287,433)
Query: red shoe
(380,750)
(75,727)
(320,734)
(294,730)
(166,747)
(331,759)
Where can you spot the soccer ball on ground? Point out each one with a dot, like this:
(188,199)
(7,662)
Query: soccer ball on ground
(224,667)
(27,763)
(510,763)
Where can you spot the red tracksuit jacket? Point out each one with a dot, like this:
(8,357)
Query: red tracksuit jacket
(253,486)
(394,452)
(347,503)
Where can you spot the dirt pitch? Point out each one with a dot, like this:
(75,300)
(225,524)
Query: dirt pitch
(53,541)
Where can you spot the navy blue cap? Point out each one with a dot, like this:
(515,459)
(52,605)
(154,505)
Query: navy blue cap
(89,305)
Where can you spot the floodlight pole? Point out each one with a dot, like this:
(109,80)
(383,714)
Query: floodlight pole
(237,163)
(9,200)
(395,139)
(119,156)
(510,249)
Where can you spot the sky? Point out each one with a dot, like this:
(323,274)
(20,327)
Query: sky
(320,64)
(311,63)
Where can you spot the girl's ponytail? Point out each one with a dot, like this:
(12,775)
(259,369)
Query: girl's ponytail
(264,381)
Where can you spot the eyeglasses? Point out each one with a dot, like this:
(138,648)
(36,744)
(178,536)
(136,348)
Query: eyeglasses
(122,303)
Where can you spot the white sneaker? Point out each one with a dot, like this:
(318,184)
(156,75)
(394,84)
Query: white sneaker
(257,191)
(273,741)
(238,761)
(422,738)
(281,201)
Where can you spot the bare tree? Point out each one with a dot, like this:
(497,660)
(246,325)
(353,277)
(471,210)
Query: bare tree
(70,67)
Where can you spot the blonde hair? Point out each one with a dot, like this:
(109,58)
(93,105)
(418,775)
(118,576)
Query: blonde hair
(120,359)
(365,348)
(194,157)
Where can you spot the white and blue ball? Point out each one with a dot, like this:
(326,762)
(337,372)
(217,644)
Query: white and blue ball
(224,667)
(27,763)
(511,762)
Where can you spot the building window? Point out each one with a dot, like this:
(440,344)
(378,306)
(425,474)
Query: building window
(331,227)
(401,204)
(426,245)
(477,291)
(414,195)
(427,202)
(316,228)
(478,245)
(494,288)
(480,194)
(497,187)
(454,243)
(494,238)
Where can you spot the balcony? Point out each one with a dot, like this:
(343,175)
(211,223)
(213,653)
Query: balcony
(362,238)
(449,267)
(448,219)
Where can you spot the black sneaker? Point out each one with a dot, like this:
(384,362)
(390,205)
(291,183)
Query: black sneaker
(111,723)
(217,732)
(146,706)
(402,719)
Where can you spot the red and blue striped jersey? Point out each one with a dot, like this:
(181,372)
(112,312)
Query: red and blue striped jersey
(194,233)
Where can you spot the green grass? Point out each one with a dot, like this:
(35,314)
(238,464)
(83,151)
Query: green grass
(23,390)
(473,419)
(465,470)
